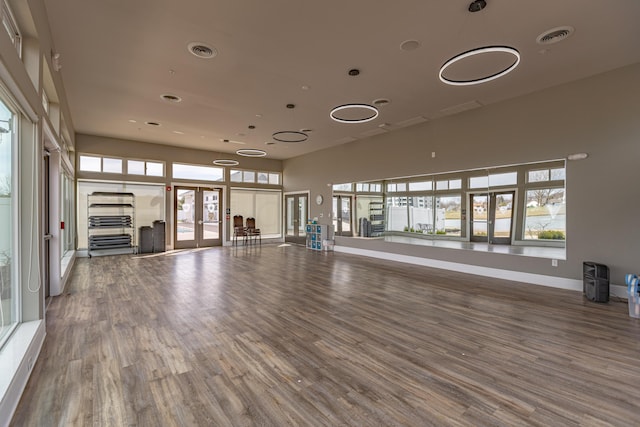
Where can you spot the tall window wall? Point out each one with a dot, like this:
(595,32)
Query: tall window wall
(263,205)
(520,203)
(9,291)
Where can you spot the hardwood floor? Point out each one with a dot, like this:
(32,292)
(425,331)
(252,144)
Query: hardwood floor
(277,336)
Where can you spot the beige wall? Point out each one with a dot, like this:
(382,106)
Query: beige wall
(599,116)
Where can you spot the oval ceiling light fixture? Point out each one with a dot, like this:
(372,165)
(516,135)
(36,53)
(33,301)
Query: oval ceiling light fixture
(251,152)
(290,136)
(354,113)
(488,75)
(226,162)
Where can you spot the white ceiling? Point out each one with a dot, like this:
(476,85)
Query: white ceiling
(119,56)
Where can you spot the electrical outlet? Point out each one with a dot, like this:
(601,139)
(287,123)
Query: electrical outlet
(554,263)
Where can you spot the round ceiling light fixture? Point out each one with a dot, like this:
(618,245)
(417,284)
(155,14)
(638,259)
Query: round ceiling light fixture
(512,53)
(251,152)
(202,50)
(152,123)
(291,136)
(226,162)
(354,113)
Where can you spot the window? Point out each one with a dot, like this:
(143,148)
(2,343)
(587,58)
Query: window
(111,165)
(343,187)
(155,169)
(421,186)
(448,215)
(142,167)
(249,176)
(274,178)
(500,179)
(479,182)
(236,175)
(253,177)
(8,285)
(263,205)
(545,214)
(421,214)
(397,217)
(11,26)
(135,167)
(90,164)
(544,175)
(203,173)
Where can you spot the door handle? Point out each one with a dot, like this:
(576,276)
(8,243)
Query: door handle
(48,236)
(200,222)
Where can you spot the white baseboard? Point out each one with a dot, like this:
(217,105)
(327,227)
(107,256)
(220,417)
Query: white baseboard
(516,276)
(17,359)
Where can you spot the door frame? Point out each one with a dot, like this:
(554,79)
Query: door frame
(491,217)
(337,215)
(296,238)
(221,217)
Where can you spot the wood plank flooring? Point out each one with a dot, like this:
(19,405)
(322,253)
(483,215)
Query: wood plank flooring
(278,336)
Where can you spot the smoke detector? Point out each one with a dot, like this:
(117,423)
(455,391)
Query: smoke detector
(555,35)
(202,50)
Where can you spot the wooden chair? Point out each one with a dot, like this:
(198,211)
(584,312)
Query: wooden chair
(252,231)
(239,230)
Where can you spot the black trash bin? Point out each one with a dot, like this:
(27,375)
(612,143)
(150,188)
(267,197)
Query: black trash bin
(159,238)
(145,240)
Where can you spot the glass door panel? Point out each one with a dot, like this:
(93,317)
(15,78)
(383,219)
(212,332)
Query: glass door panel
(185,215)
(296,209)
(501,217)
(211,215)
(341,209)
(479,217)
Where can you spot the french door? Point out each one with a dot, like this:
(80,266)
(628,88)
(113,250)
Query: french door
(197,221)
(491,218)
(296,215)
(342,215)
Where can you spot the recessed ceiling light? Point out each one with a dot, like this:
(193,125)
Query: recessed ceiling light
(132,121)
(477,5)
(171,98)
(178,132)
(475,52)
(353,72)
(152,123)
(252,126)
(202,50)
(409,45)
(226,162)
(381,102)
(269,143)
(306,87)
(251,152)
(361,113)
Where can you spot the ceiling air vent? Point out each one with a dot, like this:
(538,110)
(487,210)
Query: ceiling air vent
(201,50)
(555,35)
